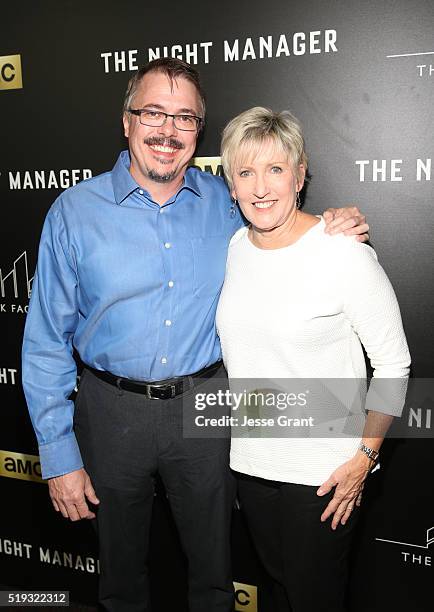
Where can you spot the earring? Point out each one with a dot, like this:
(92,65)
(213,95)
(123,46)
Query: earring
(297,200)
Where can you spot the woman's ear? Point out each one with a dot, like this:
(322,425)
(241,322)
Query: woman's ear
(301,174)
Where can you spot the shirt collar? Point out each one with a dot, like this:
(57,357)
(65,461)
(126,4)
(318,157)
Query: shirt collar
(190,181)
(124,184)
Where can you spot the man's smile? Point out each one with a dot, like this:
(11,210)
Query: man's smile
(164,147)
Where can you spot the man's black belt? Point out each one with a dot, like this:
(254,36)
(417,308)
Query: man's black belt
(160,389)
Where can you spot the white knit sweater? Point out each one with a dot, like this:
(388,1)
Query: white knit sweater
(303,311)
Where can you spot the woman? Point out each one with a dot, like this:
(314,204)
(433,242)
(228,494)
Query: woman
(298,303)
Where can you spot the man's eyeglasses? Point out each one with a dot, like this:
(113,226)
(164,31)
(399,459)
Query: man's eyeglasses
(154,118)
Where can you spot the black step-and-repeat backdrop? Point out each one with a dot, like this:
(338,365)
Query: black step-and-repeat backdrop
(360,76)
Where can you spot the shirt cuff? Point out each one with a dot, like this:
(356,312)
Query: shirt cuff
(60,457)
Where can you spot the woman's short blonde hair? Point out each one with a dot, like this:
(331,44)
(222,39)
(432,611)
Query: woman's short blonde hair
(245,135)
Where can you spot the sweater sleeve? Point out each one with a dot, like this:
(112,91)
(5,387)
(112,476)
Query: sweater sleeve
(372,308)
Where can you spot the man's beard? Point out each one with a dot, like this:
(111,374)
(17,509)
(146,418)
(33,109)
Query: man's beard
(164,177)
(161,178)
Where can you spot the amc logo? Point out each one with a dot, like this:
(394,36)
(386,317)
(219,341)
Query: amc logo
(10,72)
(246,597)
(213,165)
(18,465)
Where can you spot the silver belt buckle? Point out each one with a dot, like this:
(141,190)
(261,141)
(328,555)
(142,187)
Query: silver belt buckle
(172,391)
(148,393)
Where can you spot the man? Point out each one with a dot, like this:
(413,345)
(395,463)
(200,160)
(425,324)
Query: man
(130,267)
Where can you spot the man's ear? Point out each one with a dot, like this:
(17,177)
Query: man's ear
(126,118)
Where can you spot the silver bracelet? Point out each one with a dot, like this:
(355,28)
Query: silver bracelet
(369,452)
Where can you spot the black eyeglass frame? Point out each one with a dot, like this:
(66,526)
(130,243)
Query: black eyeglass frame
(138,111)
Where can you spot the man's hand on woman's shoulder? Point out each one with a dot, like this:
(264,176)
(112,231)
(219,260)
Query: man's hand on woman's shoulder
(348,220)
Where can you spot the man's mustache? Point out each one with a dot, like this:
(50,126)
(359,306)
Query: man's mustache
(165,142)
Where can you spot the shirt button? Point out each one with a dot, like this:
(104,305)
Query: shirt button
(141,191)
(170,283)
(167,322)
(167,245)
(161,211)
(163,360)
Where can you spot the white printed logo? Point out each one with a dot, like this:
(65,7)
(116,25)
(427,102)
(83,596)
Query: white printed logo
(411,556)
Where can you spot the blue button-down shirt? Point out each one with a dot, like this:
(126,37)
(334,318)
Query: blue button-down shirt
(132,285)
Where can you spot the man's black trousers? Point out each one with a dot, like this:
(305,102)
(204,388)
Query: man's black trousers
(125,439)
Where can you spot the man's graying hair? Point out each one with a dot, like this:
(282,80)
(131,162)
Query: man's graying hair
(173,68)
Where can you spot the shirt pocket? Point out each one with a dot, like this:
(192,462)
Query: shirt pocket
(209,264)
